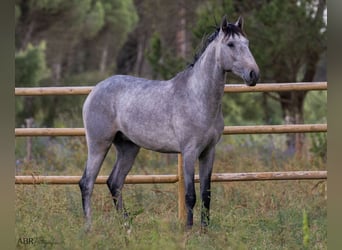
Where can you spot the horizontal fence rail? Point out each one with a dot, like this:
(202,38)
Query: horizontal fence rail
(151,179)
(53,91)
(228,130)
(49,132)
(275,129)
(229,88)
(276,87)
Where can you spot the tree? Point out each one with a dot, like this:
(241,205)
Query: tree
(119,19)
(290,37)
(31,68)
(172,27)
(73,32)
(163,62)
(79,35)
(61,23)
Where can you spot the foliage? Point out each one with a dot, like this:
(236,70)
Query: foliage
(31,68)
(250,109)
(154,54)
(315,111)
(209,17)
(53,6)
(120,13)
(315,107)
(319,146)
(63,26)
(304,34)
(164,63)
(31,65)
(94,20)
(67,25)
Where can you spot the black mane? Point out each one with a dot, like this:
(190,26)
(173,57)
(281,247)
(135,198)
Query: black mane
(233,30)
(230,30)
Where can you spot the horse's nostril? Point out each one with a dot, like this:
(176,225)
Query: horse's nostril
(252,75)
(253,78)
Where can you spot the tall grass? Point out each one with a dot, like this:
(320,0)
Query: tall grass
(244,215)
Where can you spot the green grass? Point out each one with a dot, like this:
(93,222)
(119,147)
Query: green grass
(244,215)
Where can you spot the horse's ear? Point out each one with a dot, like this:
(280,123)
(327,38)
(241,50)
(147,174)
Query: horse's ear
(224,24)
(239,22)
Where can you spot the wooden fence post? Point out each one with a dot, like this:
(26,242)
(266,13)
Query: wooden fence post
(181,191)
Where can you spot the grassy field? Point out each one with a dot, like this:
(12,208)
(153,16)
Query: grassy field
(244,215)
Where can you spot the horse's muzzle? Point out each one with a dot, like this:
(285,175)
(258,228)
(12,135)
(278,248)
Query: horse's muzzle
(253,78)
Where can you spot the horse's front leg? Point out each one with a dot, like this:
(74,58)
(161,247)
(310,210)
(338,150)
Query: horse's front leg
(206,161)
(189,159)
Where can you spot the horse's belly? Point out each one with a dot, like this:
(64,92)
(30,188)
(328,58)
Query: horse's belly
(156,140)
(150,133)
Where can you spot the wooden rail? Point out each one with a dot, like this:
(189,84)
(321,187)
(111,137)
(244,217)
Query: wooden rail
(49,132)
(229,88)
(228,130)
(276,87)
(275,129)
(150,179)
(53,91)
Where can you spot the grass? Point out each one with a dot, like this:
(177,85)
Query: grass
(244,215)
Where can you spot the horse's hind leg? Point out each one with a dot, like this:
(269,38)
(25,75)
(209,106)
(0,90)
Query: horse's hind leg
(126,154)
(97,151)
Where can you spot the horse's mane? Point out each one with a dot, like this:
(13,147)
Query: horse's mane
(230,30)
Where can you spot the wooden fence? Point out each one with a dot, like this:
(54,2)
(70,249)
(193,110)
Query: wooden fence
(216,177)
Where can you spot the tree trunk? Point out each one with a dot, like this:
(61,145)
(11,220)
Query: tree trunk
(56,72)
(127,55)
(103,60)
(181,32)
(292,104)
(140,55)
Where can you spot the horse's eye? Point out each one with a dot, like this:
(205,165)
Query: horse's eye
(230,45)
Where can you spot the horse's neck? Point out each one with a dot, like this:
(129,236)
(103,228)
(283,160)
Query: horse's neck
(207,79)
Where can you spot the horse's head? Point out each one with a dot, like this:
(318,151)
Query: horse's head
(234,54)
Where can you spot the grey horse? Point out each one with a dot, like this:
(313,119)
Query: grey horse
(180,115)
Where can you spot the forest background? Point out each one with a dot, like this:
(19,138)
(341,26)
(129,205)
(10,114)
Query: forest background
(79,43)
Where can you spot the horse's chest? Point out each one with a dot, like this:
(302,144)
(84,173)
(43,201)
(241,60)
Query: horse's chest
(214,132)
(204,130)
